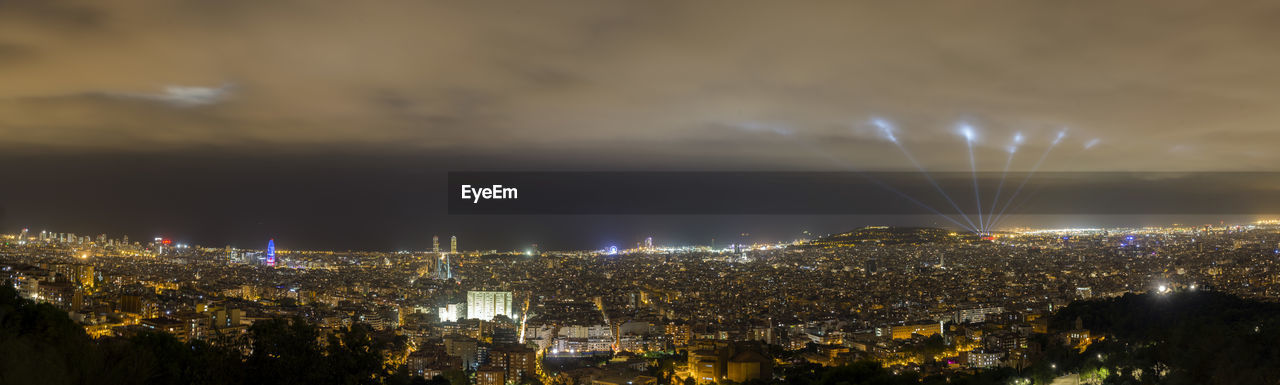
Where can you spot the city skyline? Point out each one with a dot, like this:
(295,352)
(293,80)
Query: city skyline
(611,192)
(646,242)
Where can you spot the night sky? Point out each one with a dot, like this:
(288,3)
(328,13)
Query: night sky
(332,124)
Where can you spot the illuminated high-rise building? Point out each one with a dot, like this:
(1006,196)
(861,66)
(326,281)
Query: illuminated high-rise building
(648,243)
(484,305)
(453,244)
(443,270)
(271,252)
(79,274)
(435,243)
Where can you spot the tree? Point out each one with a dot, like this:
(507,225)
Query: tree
(355,357)
(286,352)
(457,377)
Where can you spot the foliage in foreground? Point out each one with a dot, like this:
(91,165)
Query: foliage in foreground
(39,344)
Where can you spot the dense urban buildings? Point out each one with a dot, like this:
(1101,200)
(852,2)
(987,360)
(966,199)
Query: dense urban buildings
(737,314)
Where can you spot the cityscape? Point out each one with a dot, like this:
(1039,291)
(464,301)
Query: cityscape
(926,301)
(611,192)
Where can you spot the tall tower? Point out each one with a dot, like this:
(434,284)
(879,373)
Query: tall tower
(271,252)
(435,243)
(453,244)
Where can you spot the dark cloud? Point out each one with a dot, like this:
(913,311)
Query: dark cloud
(55,13)
(14,52)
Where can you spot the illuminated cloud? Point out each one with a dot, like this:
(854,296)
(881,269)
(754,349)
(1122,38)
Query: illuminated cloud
(184,96)
(562,76)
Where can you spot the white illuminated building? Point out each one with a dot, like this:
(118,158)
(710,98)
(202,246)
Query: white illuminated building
(484,305)
(450,312)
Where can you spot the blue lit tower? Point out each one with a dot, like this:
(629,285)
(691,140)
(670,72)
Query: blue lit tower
(271,252)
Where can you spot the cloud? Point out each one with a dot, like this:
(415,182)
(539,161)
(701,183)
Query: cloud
(58,13)
(13,52)
(182,96)
(428,75)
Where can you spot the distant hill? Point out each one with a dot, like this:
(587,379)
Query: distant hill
(888,236)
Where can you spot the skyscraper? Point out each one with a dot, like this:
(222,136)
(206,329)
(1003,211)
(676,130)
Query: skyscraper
(271,252)
(435,243)
(453,244)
